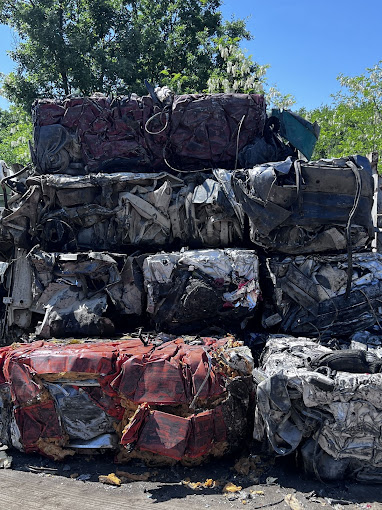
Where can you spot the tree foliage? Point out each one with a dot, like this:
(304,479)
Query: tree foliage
(175,44)
(353,123)
(85,46)
(237,72)
(15,132)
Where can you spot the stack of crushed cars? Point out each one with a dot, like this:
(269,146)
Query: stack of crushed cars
(198,218)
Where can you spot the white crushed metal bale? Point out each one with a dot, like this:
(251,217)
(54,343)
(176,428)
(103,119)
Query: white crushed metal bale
(341,411)
(201,285)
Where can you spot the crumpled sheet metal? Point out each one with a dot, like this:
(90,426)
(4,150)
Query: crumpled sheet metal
(119,210)
(201,286)
(301,133)
(184,399)
(309,294)
(339,410)
(71,292)
(91,134)
(297,207)
(281,125)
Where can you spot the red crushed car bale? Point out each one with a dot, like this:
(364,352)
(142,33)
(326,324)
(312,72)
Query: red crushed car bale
(194,132)
(182,399)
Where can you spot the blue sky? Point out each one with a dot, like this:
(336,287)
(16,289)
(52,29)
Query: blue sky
(307,43)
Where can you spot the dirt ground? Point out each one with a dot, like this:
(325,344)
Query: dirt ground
(38,483)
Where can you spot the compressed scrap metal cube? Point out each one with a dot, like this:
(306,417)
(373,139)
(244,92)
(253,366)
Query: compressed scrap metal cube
(183,400)
(299,207)
(326,402)
(201,287)
(292,207)
(92,134)
(82,294)
(117,211)
(72,293)
(310,297)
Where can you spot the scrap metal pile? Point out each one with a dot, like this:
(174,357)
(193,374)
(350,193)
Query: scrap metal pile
(184,215)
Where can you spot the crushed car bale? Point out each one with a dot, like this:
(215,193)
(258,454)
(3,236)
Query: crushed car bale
(310,294)
(323,402)
(81,135)
(115,211)
(308,207)
(178,400)
(95,294)
(72,293)
(195,286)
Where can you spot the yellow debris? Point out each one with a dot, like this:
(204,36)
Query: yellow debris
(111,479)
(231,487)
(194,485)
(208,484)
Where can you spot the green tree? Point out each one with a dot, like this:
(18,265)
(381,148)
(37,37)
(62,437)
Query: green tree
(174,41)
(15,132)
(353,123)
(65,46)
(85,46)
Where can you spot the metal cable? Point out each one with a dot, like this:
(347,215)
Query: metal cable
(352,213)
(153,117)
(237,139)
